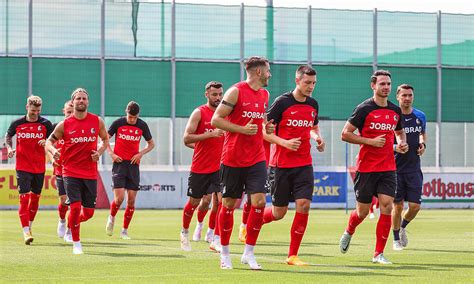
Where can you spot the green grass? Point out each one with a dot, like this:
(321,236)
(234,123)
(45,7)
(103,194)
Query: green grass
(441,250)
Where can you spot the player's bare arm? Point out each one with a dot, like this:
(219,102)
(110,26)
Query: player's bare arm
(190,136)
(316,136)
(349,136)
(9,145)
(421,149)
(401,137)
(53,138)
(115,158)
(225,108)
(150,144)
(104,136)
(292,144)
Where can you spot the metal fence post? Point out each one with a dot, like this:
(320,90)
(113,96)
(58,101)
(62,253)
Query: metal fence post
(30,47)
(310,39)
(173,83)
(242,41)
(374,38)
(439,91)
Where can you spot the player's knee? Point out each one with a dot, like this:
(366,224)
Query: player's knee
(119,200)
(131,202)
(87,213)
(277,215)
(62,200)
(398,207)
(258,203)
(414,207)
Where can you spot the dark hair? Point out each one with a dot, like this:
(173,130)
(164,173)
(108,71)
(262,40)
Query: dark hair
(213,84)
(255,61)
(305,70)
(133,108)
(79,90)
(373,78)
(406,87)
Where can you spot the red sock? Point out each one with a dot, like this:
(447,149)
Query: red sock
(297,232)
(371,209)
(34,204)
(268,215)
(23,210)
(226,223)
(201,215)
(188,212)
(113,208)
(254,225)
(212,219)
(86,214)
(62,209)
(127,216)
(74,217)
(217,229)
(246,212)
(354,221)
(382,232)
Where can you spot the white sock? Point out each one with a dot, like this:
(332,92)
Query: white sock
(248,249)
(124,231)
(111,218)
(225,250)
(26,229)
(210,231)
(62,220)
(184,231)
(77,244)
(242,225)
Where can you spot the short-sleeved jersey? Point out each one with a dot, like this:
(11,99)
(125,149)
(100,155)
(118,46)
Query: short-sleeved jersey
(246,150)
(80,139)
(372,120)
(207,153)
(128,136)
(294,119)
(414,124)
(30,156)
(58,169)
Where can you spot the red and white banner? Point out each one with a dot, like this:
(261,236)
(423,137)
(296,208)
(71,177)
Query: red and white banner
(448,188)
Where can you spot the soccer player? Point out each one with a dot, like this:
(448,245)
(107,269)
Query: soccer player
(126,155)
(377,120)
(31,132)
(242,115)
(295,114)
(79,155)
(409,175)
(58,173)
(203,178)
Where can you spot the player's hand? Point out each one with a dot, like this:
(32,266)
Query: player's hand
(321,144)
(56,155)
(116,158)
(421,149)
(378,141)
(269,127)
(11,153)
(293,144)
(403,147)
(136,158)
(42,142)
(95,155)
(250,128)
(217,132)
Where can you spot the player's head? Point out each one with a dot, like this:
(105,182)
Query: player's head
(68,109)
(305,79)
(132,111)
(214,93)
(258,67)
(405,95)
(381,83)
(33,107)
(80,99)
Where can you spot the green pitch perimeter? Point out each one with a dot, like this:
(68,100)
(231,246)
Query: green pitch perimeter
(441,250)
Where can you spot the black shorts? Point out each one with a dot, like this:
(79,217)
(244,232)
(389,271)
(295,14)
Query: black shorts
(60,185)
(203,184)
(292,184)
(236,181)
(409,187)
(367,185)
(270,180)
(126,175)
(29,182)
(83,190)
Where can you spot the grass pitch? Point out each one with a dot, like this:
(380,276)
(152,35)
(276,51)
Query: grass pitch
(441,250)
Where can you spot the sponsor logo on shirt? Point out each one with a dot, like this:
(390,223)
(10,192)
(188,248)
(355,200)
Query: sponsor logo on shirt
(412,129)
(253,114)
(382,126)
(129,137)
(30,135)
(83,139)
(299,123)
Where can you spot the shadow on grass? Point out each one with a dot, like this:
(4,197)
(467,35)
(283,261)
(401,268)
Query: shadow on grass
(118,254)
(303,244)
(328,273)
(443,250)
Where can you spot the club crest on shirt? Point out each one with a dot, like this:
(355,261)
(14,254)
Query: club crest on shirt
(313,114)
(136,131)
(92,130)
(395,117)
(418,121)
(39,128)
